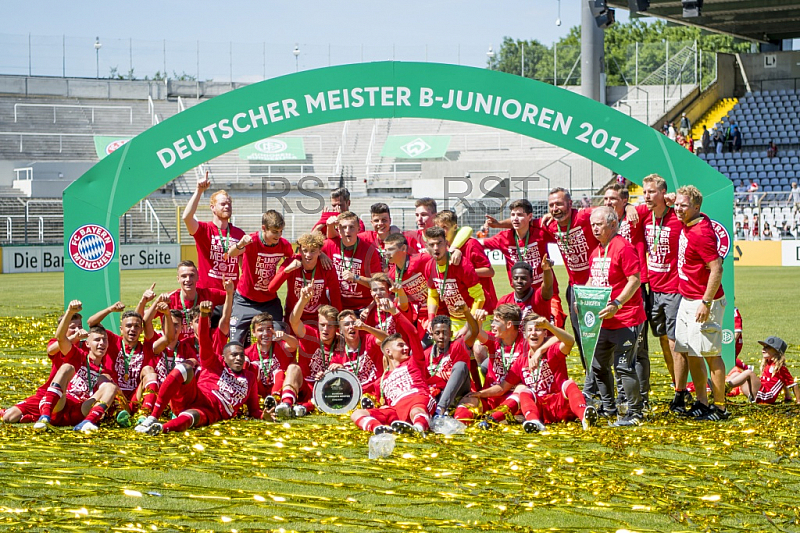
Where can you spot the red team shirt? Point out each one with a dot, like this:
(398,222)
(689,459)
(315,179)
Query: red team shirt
(501,358)
(259,266)
(215,296)
(456,287)
(635,236)
(576,243)
(532,248)
(417,237)
(84,383)
(210,249)
(737,328)
(313,357)
(323,219)
(472,252)
(372,238)
(414,280)
(610,267)
(440,366)
(552,372)
(270,362)
(225,390)
(128,376)
(534,302)
(365,262)
(662,257)
(697,248)
(366,362)
(772,383)
(298,278)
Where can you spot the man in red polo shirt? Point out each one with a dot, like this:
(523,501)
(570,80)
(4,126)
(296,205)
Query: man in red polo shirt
(353,258)
(614,263)
(262,251)
(328,220)
(698,332)
(213,239)
(662,231)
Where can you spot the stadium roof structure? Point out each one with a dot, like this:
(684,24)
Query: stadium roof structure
(767,21)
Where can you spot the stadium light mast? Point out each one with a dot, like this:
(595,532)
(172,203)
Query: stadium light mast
(490,55)
(97,47)
(296,53)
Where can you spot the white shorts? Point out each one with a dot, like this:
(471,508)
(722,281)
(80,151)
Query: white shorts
(695,338)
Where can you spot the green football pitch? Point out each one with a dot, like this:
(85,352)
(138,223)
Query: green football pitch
(314,474)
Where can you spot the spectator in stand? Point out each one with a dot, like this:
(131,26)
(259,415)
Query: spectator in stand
(739,232)
(689,144)
(754,234)
(736,139)
(786,231)
(772,150)
(680,139)
(794,197)
(685,125)
(746,227)
(719,142)
(586,203)
(665,128)
(671,133)
(767,233)
(751,197)
(705,140)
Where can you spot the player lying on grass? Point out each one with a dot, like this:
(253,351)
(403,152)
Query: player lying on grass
(28,409)
(404,390)
(218,392)
(270,355)
(448,361)
(83,386)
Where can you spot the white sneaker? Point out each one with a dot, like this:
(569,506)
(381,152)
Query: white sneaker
(42,423)
(145,424)
(284,410)
(299,411)
(86,427)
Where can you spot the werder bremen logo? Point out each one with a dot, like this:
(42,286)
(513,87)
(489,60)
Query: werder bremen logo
(415,148)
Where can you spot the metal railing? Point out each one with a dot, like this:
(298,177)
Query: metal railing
(59,135)
(151,216)
(777,84)
(75,106)
(755,213)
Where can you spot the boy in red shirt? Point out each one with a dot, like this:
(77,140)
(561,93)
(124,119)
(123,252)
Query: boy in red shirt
(83,386)
(187,297)
(381,220)
(450,287)
(213,239)
(407,402)
(261,252)
(270,355)
(503,345)
(409,274)
(306,270)
(217,393)
(28,409)
(527,297)
(473,254)
(328,220)
(353,258)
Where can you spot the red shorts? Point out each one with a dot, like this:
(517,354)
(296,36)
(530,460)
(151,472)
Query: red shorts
(492,403)
(30,406)
(554,408)
(306,392)
(400,411)
(189,397)
(71,414)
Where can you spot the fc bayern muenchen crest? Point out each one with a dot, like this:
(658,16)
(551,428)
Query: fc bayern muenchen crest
(723,239)
(91,247)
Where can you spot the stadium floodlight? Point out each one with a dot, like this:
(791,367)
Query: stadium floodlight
(490,53)
(558,20)
(692,8)
(296,53)
(636,6)
(605,19)
(97,47)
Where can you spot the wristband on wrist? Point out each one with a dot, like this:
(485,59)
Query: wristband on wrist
(616,303)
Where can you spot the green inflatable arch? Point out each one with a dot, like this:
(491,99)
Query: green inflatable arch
(94,203)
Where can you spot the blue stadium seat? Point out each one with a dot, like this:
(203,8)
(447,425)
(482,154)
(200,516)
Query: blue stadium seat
(759,168)
(781,174)
(733,175)
(783,181)
(774,182)
(766,188)
(777,167)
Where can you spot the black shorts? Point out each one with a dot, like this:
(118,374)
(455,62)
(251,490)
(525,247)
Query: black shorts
(663,313)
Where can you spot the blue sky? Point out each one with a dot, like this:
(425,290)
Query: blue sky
(264,34)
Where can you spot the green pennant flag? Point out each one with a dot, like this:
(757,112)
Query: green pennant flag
(415,146)
(590,301)
(105,145)
(274,149)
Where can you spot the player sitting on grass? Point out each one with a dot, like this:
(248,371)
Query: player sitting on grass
(270,354)
(404,389)
(361,353)
(502,346)
(218,392)
(546,394)
(133,361)
(775,377)
(448,361)
(83,387)
(28,409)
